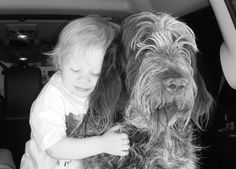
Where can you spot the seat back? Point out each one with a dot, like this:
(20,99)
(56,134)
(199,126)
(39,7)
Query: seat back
(21,87)
(6,159)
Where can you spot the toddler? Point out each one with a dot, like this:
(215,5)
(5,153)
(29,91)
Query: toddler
(78,58)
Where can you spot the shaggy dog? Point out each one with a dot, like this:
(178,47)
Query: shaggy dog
(167,98)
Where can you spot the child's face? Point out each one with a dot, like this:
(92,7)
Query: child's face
(81,71)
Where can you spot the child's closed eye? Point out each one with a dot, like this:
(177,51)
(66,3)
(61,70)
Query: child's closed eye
(74,70)
(95,74)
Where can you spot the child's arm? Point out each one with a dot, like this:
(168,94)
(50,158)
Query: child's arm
(111,142)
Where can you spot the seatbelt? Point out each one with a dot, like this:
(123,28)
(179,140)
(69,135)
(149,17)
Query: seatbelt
(230,126)
(222,81)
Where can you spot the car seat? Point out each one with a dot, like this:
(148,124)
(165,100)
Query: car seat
(6,159)
(21,86)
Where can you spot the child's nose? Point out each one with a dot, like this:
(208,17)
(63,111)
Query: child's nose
(84,78)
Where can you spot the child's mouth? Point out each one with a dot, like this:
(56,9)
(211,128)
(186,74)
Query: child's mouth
(80,89)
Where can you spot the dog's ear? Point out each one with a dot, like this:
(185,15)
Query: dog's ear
(104,98)
(113,73)
(203,103)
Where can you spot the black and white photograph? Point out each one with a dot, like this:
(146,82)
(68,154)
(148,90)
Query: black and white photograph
(117,84)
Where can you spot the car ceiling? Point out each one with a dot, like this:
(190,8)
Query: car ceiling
(44,19)
(104,7)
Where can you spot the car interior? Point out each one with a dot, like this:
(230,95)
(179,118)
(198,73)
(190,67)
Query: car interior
(29,29)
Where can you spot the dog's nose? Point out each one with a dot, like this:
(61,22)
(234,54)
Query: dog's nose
(175,84)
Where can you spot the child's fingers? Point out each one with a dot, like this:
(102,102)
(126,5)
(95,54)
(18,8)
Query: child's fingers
(124,136)
(126,142)
(123,153)
(125,147)
(115,128)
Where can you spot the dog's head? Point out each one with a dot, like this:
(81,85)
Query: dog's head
(162,76)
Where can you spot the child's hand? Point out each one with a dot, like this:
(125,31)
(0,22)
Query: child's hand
(115,143)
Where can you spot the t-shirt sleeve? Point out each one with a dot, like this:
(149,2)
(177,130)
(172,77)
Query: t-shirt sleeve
(47,118)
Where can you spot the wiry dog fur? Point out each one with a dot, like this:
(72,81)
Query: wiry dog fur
(167,96)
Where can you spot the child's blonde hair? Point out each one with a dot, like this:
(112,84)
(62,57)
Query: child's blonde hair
(86,32)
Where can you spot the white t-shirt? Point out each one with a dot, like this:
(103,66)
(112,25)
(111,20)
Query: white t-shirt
(48,125)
